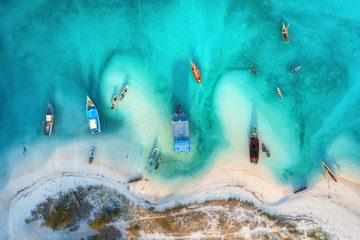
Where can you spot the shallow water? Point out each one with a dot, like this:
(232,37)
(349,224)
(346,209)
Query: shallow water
(62,52)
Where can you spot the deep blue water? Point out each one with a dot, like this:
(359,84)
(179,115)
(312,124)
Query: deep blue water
(62,51)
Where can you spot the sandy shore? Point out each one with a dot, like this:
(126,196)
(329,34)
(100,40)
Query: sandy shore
(335,206)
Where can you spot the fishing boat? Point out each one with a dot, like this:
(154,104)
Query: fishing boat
(135,180)
(153,156)
(91,155)
(263,148)
(113,102)
(253,70)
(279,93)
(49,120)
(254,146)
(113,207)
(92,116)
(295,70)
(181,133)
(329,172)
(285,33)
(123,93)
(196,73)
(158,163)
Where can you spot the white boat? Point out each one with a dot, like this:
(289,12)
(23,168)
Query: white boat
(279,93)
(295,70)
(153,156)
(123,93)
(92,116)
(113,102)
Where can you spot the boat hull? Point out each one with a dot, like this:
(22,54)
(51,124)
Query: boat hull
(254,147)
(113,103)
(153,156)
(123,93)
(49,120)
(285,34)
(93,117)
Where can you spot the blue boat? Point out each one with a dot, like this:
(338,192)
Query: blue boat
(92,116)
(153,156)
(113,207)
(181,134)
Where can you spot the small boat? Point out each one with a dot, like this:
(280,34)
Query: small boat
(152,158)
(285,33)
(91,155)
(253,70)
(158,163)
(135,180)
(263,148)
(113,102)
(123,93)
(331,174)
(254,146)
(92,116)
(279,93)
(113,207)
(196,73)
(295,70)
(301,189)
(49,120)
(267,152)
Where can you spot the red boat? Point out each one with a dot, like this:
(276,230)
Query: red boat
(196,73)
(254,146)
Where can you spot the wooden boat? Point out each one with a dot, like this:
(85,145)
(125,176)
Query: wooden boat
(158,163)
(328,171)
(91,155)
(113,102)
(152,158)
(92,116)
(285,33)
(253,70)
(123,93)
(279,93)
(196,73)
(135,180)
(254,146)
(49,120)
(295,70)
(301,189)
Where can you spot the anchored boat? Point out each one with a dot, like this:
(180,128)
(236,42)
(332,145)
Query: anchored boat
(254,146)
(329,172)
(285,33)
(279,93)
(181,134)
(92,116)
(253,70)
(153,156)
(196,73)
(123,93)
(158,163)
(113,102)
(49,120)
(91,155)
(295,70)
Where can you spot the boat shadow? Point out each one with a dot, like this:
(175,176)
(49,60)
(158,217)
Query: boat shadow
(180,84)
(253,121)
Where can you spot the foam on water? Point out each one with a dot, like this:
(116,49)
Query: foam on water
(62,52)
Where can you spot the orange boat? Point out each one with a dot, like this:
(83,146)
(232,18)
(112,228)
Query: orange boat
(285,33)
(254,146)
(196,73)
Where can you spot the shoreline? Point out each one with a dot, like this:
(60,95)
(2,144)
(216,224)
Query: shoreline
(318,202)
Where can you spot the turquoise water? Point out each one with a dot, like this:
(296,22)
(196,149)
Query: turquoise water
(63,51)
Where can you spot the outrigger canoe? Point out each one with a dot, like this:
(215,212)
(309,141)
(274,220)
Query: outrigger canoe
(254,146)
(279,93)
(113,102)
(49,120)
(92,116)
(196,73)
(329,172)
(123,93)
(285,33)
(153,156)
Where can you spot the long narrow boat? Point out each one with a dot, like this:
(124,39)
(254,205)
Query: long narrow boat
(153,156)
(123,93)
(49,120)
(158,163)
(92,116)
(91,155)
(254,146)
(285,33)
(329,172)
(253,70)
(196,73)
(295,70)
(113,102)
(279,93)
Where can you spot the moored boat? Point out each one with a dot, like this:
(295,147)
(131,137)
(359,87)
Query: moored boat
(253,70)
(153,156)
(123,93)
(91,155)
(285,33)
(92,116)
(113,102)
(49,120)
(295,70)
(254,146)
(329,172)
(196,73)
(158,163)
(181,133)
(279,93)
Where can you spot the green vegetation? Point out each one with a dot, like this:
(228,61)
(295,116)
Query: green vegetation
(61,216)
(318,235)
